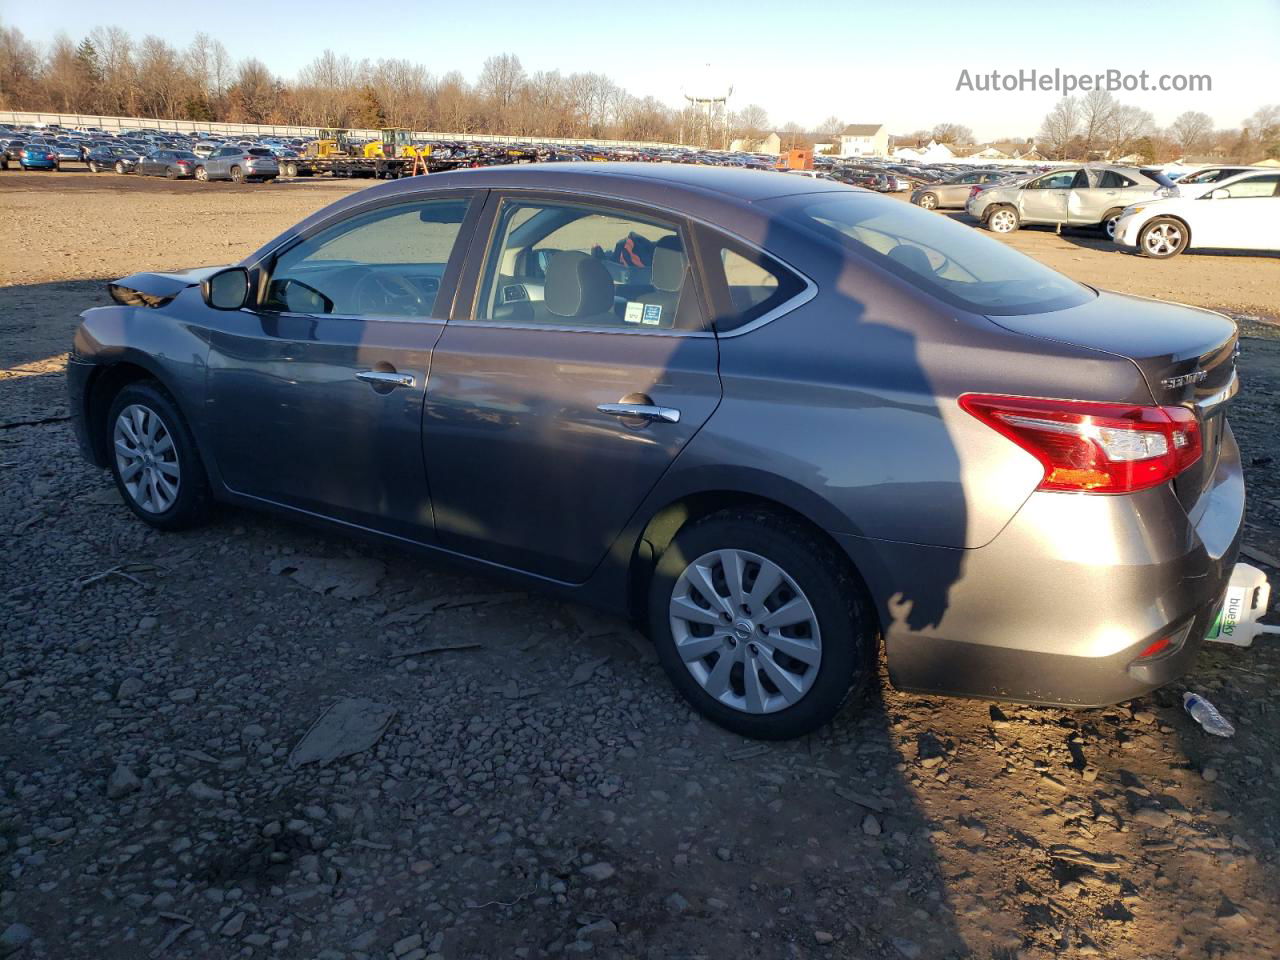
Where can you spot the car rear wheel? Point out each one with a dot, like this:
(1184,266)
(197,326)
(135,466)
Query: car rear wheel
(1109,221)
(120,167)
(760,625)
(929,201)
(154,459)
(1002,220)
(93,166)
(1162,238)
(202,174)
(170,173)
(237,175)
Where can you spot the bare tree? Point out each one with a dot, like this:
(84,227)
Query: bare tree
(1097,112)
(952,133)
(1061,125)
(1125,126)
(1190,130)
(749,124)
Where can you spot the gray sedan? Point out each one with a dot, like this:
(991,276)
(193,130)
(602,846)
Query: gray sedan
(777,421)
(954,192)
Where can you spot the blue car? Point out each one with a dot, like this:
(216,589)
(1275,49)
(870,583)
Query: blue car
(38,158)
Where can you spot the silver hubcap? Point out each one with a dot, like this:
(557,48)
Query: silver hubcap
(927,202)
(1163,239)
(1002,221)
(1111,227)
(146,458)
(745,631)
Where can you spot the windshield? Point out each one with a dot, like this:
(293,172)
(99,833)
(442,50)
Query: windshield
(948,260)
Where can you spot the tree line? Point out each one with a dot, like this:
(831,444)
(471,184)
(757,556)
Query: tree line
(111,73)
(1098,126)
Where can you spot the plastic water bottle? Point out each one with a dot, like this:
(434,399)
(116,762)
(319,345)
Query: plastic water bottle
(1207,715)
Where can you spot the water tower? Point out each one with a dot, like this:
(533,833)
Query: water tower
(708,90)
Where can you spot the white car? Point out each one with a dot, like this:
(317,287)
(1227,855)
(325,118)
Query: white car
(1239,213)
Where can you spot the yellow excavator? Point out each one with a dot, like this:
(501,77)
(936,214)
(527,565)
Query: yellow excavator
(330,143)
(396,142)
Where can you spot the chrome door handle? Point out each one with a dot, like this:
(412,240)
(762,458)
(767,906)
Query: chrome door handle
(383,378)
(646,411)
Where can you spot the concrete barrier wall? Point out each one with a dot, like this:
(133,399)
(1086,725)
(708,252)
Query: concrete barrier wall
(115,124)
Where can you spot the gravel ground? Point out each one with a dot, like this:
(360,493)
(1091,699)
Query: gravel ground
(535,789)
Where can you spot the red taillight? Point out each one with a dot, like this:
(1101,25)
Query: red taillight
(1095,447)
(974,191)
(1159,646)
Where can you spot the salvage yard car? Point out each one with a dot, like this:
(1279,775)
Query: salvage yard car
(1239,213)
(240,164)
(1090,196)
(954,193)
(777,420)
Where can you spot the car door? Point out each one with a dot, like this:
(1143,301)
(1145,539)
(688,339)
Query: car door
(565,386)
(1240,215)
(1044,200)
(315,395)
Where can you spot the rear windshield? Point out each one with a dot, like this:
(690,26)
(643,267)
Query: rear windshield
(1158,176)
(948,260)
(259,152)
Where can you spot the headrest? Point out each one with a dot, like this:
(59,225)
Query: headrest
(668,265)
(577,285)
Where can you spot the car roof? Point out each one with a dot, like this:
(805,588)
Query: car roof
(641,181)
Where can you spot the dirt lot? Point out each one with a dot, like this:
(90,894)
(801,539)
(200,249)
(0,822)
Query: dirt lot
(543,792)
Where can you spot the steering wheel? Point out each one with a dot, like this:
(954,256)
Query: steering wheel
(378,292)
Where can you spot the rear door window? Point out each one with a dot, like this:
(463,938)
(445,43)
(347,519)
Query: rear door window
(745,284)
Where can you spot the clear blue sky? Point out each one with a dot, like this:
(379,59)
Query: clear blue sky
(865,62)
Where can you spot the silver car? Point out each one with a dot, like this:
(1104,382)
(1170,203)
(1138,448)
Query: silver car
(240,164)
(954,192)
(1084,196)
(778,421)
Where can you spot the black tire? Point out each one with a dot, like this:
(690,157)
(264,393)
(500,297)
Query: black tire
(93,166)
(1108,222)
(170,173)
(202,174)
(1166,228)
(191,505)
(290,170)
(848,629)
(237,174)
(929,201)
(120,167)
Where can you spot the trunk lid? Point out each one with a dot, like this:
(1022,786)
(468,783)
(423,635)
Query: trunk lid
(1185,354)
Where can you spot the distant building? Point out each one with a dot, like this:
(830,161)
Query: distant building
(863,140)
(770,144)
(934,152)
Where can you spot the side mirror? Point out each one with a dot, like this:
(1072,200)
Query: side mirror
(1222,193)
(227,289)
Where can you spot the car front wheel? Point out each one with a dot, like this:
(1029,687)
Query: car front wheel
(202,174)
(120,166)
(237,175)
(760,624)
(154,459)
(1109,221)
(1162,238)
(929,201)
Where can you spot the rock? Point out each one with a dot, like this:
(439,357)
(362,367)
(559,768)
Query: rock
(405,944)
(15,937)
(598,931)
(122,782)
(1209,774)
(676,903)
(202,791)
(185,695)
(870,825)
(346,579)
(907,948)
(234,925)
(1153,817)
(347,727)
(599,871)
(148,623)
(823,937)
(129,688)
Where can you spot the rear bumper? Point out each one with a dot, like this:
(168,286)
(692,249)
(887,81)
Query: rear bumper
(1058,608)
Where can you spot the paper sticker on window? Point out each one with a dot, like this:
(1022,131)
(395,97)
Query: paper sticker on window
(652,316)
(635,313)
